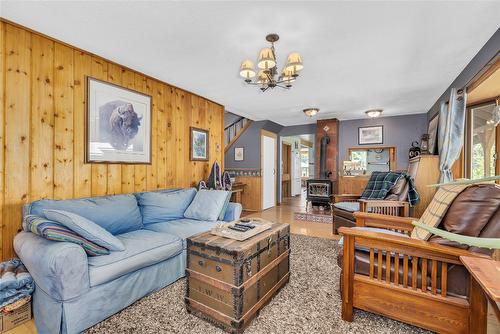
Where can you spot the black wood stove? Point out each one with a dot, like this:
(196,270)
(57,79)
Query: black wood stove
(320,191)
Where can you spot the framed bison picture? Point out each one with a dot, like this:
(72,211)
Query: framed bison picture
(118,124)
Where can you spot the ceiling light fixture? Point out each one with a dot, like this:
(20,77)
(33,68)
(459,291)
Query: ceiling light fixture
(374,112)
(268,77)
(310,112)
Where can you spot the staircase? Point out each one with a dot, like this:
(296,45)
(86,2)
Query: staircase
(233,131)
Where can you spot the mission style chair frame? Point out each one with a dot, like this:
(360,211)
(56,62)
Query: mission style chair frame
(380,206)
(423,306)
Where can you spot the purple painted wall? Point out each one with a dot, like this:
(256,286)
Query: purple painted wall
(399,131)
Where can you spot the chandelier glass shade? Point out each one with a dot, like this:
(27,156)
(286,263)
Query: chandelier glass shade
(268,75)
(310,112)
(374,113)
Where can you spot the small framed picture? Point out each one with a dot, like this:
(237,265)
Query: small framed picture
(118,124)
(432,130)
(238,154)
(371,135)
(198,144)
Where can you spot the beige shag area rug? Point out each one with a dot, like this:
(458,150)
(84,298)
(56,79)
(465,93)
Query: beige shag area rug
(309,303)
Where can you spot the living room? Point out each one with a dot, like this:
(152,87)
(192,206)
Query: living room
(279,166)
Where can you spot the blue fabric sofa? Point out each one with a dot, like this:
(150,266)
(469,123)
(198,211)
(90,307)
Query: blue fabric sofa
(74,291)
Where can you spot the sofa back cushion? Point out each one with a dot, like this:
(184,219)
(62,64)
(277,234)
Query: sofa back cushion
(117,214)
(472,210)
(160,206)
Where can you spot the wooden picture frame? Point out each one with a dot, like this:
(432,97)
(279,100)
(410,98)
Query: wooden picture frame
(369,135)
(117,124)
(199,145)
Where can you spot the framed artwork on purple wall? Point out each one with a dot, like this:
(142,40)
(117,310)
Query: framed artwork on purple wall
(371,135)
(238,154)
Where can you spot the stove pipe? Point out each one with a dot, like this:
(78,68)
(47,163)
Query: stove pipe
(323,172)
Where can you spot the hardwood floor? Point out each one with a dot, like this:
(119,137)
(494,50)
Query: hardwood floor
(285,213)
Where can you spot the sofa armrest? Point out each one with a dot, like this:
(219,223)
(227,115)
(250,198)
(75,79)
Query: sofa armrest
(60,269)
(233,212)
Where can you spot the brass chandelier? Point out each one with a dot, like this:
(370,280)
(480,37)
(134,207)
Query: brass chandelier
(268,77)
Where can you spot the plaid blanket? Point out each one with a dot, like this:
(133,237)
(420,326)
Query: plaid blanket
(381,183)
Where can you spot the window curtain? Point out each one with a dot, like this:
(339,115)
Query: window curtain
(451,132)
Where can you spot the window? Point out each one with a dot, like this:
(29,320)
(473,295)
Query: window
(360,156)
(481,141)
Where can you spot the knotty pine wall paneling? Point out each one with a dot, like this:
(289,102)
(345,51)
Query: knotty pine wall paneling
(42,132)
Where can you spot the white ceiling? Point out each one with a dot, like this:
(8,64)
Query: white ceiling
(399,56)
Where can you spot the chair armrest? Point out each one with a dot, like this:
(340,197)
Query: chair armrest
(233,212)
(384,221)
(60,269)
(408,246)
(345,198)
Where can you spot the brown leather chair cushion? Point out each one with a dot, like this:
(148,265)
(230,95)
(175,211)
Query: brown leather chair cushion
(492,230)
(472,210)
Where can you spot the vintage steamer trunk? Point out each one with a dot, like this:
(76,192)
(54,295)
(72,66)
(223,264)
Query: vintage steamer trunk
(229,281)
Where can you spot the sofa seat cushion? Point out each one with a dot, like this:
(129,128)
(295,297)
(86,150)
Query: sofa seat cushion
(182,228)
(142,248)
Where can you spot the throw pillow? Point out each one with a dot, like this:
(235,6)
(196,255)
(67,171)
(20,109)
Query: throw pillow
(158,207)
(437,208)
(86,228)
(226,204)
(51,230)
(207,205)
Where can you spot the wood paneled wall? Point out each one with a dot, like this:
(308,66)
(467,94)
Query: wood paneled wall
(42,117)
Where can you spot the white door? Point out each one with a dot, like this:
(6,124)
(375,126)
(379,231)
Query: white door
(268,172)
(296,173)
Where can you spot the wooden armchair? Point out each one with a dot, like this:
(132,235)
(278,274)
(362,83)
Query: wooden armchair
(395,204)
(345,206)
(408,297)
(422,283)
(384,207)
